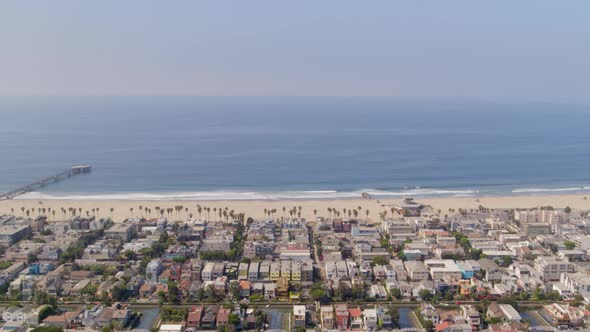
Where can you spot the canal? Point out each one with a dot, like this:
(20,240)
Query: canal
(534,317)
(405,317)
(148,318)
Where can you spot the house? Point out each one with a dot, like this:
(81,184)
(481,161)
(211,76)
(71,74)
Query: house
(552,267)
(494,311)
(342,316)
(67,320)
(123,316)
(356,320)
(257,289)
(283,288)
(194,317)
(417,271)
(209,318)
(493,272)
(370,319)
(223,317)
(564,315)
(146,290)
(299,316)
(471,315)
(153,269)
(327,317)
(122,231)
(270,291)
(428,312)
(245,287)
(253,271)
(384,318)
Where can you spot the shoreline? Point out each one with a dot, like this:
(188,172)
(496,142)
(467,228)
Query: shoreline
(255,207)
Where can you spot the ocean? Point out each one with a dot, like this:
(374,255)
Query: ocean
(277,148)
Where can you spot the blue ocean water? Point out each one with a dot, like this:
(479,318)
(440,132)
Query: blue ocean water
(214,148)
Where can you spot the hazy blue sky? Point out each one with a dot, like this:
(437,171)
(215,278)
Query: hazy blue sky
(511,49)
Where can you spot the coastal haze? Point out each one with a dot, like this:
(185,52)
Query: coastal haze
(306,166)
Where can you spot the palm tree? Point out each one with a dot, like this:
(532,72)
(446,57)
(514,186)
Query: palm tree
(53,213)
(12,211)
(23,210)
(284,209)
(112,209)
(315,212)
(131,211)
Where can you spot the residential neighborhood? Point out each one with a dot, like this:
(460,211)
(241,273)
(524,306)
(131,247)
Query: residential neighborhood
(416,269)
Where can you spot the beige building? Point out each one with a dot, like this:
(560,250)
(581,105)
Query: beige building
(417,271)
(552,267)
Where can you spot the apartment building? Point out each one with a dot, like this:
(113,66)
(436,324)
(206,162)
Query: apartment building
(552,267)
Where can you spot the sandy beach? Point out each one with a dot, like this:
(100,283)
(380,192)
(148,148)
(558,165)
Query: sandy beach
(121,209)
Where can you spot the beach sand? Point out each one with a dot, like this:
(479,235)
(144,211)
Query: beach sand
(255,208)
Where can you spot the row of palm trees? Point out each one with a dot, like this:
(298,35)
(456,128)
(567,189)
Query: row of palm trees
(182,212)
(296,211)
(51,212)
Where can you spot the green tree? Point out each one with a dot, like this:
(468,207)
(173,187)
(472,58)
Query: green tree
(569,245)
(130,255)
(425,295)
(318,293)
(233,319)
(173,293)
(234,290)
(396,293)
(379,260)
(45,312)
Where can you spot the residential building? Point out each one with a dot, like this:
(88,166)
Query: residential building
(370,319)
(551,267)
(327,317)
(342,316)
(417,271)
(10,234)
(299,316)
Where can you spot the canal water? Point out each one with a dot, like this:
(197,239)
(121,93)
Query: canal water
(534,317)
(148,318)
(404,317)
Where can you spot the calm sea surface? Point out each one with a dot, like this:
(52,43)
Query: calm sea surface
(214,148)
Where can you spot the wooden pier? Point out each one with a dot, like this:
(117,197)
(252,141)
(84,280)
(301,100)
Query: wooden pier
(74,170)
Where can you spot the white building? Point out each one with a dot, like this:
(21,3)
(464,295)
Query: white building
(552,267)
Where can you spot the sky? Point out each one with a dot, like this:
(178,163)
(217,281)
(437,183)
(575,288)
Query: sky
(530,49)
